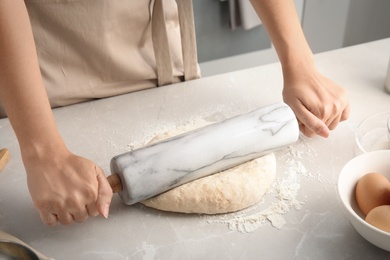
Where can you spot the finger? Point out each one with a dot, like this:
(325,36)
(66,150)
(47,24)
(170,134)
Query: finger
(48,218)
(345,114)
(92,210)
(306,131)
(333,120)
(80,215)
(104,193)
(332,123)
(65,218)
(311,122)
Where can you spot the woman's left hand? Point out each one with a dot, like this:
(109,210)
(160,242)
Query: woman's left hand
(318,103)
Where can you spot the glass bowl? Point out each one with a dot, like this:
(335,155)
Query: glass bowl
(372,133)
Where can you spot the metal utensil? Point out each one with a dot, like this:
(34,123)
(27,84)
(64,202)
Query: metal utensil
(10,250)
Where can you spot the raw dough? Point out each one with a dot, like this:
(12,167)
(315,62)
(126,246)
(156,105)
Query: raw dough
(228,191)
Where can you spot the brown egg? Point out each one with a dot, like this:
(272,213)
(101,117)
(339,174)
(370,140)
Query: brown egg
(372,190)
(380,217)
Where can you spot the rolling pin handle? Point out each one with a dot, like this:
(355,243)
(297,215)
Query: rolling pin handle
(4,158)
(115,183)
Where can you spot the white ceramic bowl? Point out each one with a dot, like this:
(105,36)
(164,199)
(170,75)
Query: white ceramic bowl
(377,161)
(372,133)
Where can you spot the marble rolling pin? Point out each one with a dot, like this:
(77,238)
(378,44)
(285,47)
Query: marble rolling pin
(143,173)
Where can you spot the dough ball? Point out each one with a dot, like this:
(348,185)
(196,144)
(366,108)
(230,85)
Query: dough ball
(228,191)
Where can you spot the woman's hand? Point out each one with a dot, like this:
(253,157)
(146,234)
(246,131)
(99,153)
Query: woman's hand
(318,103)
(67,188)
(64,187)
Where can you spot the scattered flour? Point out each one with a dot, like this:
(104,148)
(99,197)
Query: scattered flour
(282,196)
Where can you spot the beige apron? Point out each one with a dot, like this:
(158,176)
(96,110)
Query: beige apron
(89,49)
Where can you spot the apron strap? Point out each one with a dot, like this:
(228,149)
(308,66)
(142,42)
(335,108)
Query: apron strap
(161,48)
(188,39)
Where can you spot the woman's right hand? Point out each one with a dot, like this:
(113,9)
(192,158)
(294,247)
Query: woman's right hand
(66,188)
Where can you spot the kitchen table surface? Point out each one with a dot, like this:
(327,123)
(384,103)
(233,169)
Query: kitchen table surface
(300,218)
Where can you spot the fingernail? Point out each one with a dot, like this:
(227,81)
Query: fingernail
(105,210)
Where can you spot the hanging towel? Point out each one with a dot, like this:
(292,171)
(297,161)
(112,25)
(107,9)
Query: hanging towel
(242,15)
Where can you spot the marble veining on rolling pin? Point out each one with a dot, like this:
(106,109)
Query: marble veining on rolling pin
(156,168)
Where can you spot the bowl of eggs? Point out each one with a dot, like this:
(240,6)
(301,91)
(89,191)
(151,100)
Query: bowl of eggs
(364,190)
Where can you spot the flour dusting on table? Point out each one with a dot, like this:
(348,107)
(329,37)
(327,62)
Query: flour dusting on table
(282,196)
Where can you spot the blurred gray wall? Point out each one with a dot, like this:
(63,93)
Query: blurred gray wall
(368,20)
(332,24)
(328,24)
(214,37)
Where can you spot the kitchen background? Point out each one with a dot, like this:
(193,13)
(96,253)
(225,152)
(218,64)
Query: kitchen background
(327,24)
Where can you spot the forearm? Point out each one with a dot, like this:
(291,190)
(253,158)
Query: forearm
(283,26)
(318,103)
(64,187)
(21,87)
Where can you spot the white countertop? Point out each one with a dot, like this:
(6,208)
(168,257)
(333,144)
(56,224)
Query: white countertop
(99,130)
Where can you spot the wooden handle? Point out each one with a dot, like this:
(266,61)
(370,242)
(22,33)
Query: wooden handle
(115,183)
(4,158)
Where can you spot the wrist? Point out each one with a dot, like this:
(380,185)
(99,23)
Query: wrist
(41,149)
(298,66)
